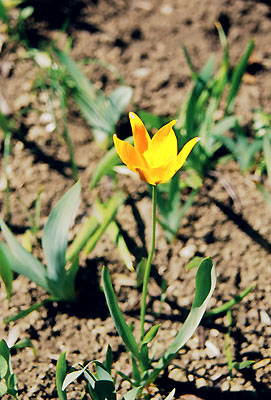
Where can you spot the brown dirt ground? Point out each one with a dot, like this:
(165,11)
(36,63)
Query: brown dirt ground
(142,39)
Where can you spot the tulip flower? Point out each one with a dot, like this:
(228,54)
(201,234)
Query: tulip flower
(155,159)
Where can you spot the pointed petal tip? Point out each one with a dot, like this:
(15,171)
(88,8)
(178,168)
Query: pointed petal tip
(132,115)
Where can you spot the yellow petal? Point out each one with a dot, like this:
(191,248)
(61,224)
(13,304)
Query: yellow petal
(128,154)
(141,137)
(163,147)
(157,175)
(184,153)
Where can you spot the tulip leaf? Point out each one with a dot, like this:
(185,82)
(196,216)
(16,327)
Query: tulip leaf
(81,239)
(5,271)
(150,335)
(100,111)
(132,394)
(3,367)
(108,359)
(61,369)
(170,396)
(114,234)
(120,323)
(21,261)
(3,388)
(71,377)
(205,284)
(108,215)
(55,239)
(105,166)
(102,373)
(194,263)
(238,73)
(119,99)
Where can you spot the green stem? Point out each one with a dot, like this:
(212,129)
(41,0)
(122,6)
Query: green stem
(148,264)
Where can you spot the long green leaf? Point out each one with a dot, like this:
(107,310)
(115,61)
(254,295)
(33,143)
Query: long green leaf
(5,353)
(81,239)
(238,73)
(205,284)
(5,271)
(203,77)
(114,234)
(29,310)
(55,239)
(61,369)
(108,216)
(121,326)
(21,261)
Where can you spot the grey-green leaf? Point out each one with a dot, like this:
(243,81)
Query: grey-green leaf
(21,261)
(55,237)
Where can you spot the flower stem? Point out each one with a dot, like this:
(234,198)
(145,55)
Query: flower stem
(148,263)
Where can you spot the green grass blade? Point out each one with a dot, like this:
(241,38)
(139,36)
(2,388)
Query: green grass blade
(29,310)
(238,73)
(21,261)
(229,304)
(5,271)
(121,326)
(55,239)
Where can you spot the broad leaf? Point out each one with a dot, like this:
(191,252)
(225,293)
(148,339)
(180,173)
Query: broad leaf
(205,284)
(55,239)
(71,377)
(21,261)
(131,395)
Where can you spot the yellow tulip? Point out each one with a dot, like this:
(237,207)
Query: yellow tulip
(155,159)
(11,3)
